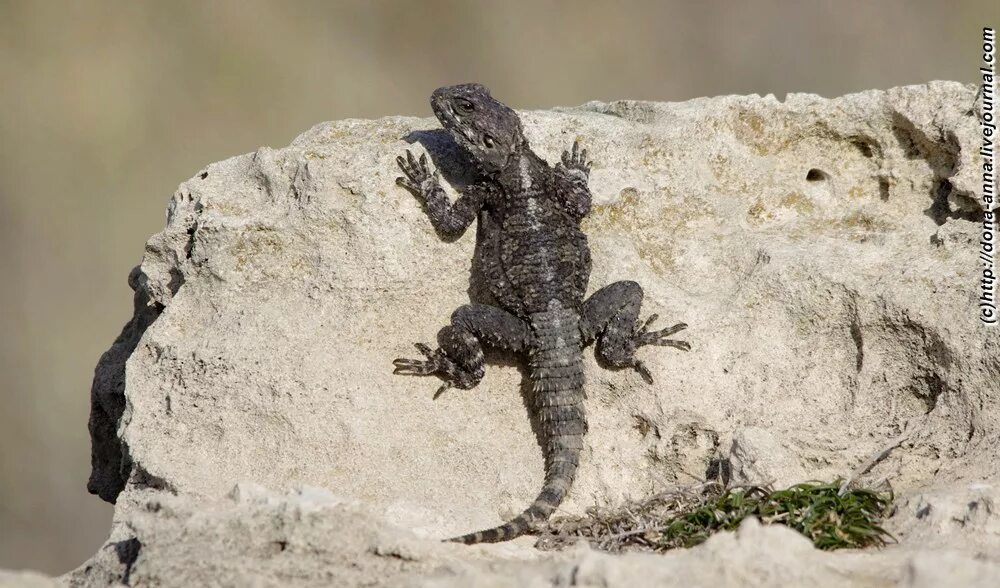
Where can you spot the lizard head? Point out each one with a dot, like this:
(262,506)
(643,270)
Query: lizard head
(484,126)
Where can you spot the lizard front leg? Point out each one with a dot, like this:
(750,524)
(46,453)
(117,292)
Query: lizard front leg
(459,359)
(571,176)
(611,316)
(448,219)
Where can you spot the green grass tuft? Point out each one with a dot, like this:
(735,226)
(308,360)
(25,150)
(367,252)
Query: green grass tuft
(687,517)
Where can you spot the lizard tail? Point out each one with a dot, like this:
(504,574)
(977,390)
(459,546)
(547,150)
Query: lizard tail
(557,374)
(558,480)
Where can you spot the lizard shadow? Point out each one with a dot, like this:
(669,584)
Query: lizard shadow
(457,169)
(503,358)
(448,157)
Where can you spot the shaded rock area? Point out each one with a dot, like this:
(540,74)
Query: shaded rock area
(823,252)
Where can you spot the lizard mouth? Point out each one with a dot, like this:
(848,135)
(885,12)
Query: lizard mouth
(453,122)
(442,109)
(449,119)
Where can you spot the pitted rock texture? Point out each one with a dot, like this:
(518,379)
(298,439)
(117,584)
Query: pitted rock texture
(310,537)
(823,252)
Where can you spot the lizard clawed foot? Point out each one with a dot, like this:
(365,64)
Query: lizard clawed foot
(577,159)
(645,337)
(435,364)
(419,178)
(418,367)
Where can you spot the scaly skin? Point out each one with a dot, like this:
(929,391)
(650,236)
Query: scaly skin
(536,261)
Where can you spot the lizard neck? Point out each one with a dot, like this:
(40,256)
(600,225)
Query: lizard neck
(524,173)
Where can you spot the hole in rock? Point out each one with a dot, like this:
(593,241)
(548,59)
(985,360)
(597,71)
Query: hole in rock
(816,175)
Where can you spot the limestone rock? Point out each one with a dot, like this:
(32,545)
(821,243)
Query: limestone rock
(757,458)
(822,251)
(312,538)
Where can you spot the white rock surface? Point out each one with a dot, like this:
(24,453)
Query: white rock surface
(823,252)
(258,538)
(756,457)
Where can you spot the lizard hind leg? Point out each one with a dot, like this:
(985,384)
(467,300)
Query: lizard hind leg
(438,363)
(459,359)
(611,315)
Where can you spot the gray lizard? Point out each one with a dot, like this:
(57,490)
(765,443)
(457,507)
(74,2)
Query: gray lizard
(535,260)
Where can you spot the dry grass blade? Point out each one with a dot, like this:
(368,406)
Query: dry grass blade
(685,517)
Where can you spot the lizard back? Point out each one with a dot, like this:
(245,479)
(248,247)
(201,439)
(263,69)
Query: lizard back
(542,254)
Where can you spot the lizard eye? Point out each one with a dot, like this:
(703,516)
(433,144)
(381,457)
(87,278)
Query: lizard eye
(464,105)
(488,141)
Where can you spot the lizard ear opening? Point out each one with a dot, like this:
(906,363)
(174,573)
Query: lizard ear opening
(488,141)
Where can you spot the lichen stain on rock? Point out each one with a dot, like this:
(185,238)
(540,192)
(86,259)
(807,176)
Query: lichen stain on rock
(751,129)
(655,218)
(311,154)
(757,214)
(252,247)
(227,208)
(720,165)
(798,202)
(860,226)
(618,214)
(654,153)
(661,256)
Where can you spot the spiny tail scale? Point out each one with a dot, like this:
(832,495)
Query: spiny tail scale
(556,370)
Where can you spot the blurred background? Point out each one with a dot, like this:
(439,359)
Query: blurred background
(106,106)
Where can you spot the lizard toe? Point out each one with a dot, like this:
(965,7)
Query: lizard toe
(413,367)
(643,371)
(657,337)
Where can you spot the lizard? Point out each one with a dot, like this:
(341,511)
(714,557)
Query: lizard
(535,260)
